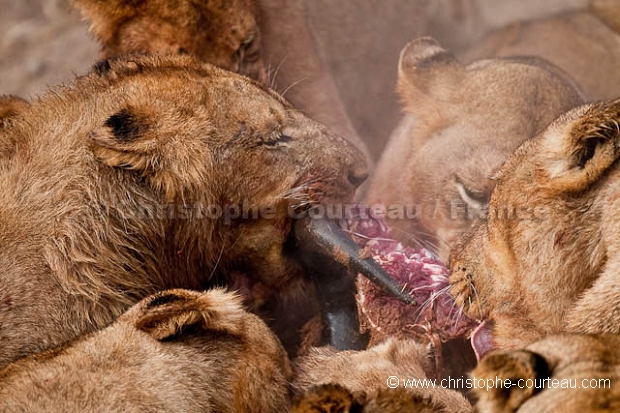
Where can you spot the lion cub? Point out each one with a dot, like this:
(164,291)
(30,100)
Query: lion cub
(11,106)
(221,32)
(177,350)
(359,381)
(570,40)
(153,173)
(560,374)
(546,259)
(461,123)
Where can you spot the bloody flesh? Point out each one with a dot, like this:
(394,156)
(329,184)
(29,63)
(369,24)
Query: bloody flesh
(435,317)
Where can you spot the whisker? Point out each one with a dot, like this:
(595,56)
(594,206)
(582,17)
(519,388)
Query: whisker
(272,83)
(217,262)
(473,287)
(293,85)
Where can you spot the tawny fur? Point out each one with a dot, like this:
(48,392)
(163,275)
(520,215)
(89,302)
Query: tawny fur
(546,258)
(573,373)
(109,194)
(225,33)
(331,398)
(365,375)
(341,56)
(334,60)
(571,41)
(177,350)
(461,123)
(11,106)
(608,11)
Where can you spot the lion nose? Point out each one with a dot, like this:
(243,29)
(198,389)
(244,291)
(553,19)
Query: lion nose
(357,176)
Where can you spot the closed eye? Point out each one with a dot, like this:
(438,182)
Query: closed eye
(278,140)
(477,200)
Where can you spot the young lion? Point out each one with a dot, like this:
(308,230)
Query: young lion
(374,378)
(221,32)
(435,174)
(546,258)
(563,373)
(572,41)
(138,179)
(10,106)
(177,350)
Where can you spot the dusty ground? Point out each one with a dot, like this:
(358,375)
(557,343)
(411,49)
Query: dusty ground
(42,43)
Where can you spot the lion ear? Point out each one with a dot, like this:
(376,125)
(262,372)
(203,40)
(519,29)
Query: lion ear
(127,140)
(588,147)
(523,368)
(426,71)
(175,314)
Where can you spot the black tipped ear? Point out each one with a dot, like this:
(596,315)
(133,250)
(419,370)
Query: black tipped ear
(127,140)
(520,367)
(177,313)
(590,144)
(426,70)
(126,126)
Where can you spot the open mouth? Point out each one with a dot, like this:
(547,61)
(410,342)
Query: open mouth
(400,291)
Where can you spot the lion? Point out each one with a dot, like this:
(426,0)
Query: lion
(341,55)
(225,33)
(228,34)
(333,60)
(177,350)
(333,398)
(543,261)
(562,373)
(354,379)
(153,173)
(435,174)
(571,40)
(11,106)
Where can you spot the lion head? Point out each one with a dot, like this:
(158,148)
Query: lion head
(543,260)
(221,32)
(153,173)
(461,123)
(177,350)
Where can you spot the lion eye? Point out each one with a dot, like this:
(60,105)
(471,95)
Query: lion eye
(278,140)
(474,199)
(247,50)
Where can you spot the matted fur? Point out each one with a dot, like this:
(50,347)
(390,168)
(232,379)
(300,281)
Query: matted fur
(106,197)
(221,32)
(546,258)
(559,374)
(177,350)
(352,379)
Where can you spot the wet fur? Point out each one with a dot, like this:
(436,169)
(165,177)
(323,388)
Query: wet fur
(105,198)
(178,350)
